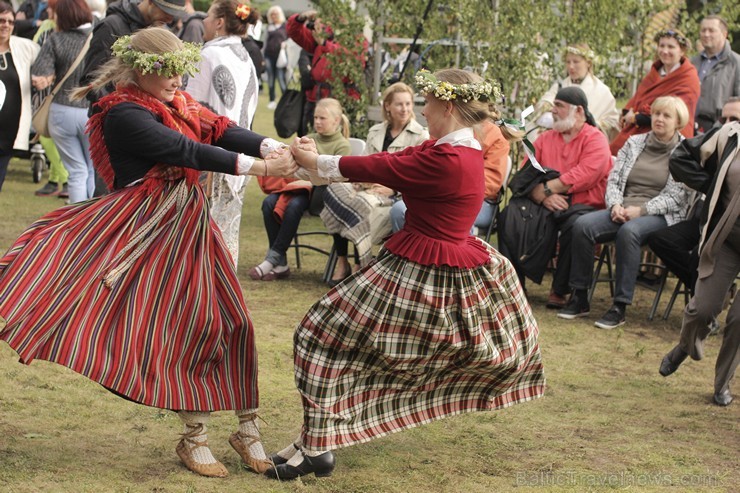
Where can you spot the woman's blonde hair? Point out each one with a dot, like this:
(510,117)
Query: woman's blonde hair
(475,112)
(115,72)
(279,10)
(390,91)
(679,108)
(335,109)
(582,50)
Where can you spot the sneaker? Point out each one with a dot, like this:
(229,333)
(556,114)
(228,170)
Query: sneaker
(555,301)
(47,190)
(64,193)
(271,105)
(613,318)
(577,307)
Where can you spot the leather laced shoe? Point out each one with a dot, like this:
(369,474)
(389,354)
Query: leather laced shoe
(723,398)
(577,307)
(672,361)
(555,301)
(321,466)
(241,443)
(185,449)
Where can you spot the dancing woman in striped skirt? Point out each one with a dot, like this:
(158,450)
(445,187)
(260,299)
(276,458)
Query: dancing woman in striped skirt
(438,325)
(136,290)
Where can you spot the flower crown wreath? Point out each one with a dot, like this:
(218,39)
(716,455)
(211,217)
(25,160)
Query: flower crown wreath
(671,33)
(180,62)
(242,11)
(474,91)
(587,54)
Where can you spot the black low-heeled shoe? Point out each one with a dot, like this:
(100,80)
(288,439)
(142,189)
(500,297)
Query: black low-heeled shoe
(321,466)
(672,361)
(279,459)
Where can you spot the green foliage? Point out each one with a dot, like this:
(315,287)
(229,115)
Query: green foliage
(520,43)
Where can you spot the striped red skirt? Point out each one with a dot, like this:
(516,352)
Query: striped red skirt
(400,344)
(137,291)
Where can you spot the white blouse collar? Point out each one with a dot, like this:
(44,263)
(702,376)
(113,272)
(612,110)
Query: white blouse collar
(464,137)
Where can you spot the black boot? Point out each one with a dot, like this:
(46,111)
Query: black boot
(321,465)
(672,361)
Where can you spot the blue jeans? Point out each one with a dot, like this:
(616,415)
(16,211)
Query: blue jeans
(597,227)
(280,234)
(67,128)
(398,215)
(274,72)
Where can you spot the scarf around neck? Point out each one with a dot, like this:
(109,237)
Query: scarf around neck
(183,114)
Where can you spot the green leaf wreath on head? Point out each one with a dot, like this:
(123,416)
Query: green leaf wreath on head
(180,62)
(485,90)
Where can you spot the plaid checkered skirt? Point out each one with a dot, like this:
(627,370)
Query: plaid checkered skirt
(400,344)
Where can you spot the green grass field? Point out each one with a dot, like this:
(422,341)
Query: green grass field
(608,421)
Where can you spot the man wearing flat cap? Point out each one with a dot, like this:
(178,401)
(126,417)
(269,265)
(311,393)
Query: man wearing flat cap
(126,17)
(580,152)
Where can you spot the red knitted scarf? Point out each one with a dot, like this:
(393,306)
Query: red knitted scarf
(183,114)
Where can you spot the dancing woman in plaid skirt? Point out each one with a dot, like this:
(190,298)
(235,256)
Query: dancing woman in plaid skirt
(438,325)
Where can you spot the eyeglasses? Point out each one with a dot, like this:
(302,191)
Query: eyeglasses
(9,22)
(725,119)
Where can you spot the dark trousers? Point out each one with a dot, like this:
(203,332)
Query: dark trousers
(677,246)
(561,277)
(4,162)
(707,304)
(280,234)
(308,110)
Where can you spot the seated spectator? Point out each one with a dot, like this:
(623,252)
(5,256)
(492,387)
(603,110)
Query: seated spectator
(719,71)
(360,212)
(283,208)
(578,154)
(671,75)
(495,141)
(641,197)
(678,245)
(709,164)
(579,62)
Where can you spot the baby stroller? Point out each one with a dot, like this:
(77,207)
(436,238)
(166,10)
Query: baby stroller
(38,159)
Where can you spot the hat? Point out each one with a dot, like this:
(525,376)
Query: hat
(176,8)
(576,96)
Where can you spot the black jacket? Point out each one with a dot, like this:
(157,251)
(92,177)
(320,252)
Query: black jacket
(121,18)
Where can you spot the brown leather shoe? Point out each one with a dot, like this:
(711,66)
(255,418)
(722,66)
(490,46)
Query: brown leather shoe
(241,443)
(555,301)
(185,452)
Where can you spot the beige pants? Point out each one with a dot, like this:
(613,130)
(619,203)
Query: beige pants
(707,303)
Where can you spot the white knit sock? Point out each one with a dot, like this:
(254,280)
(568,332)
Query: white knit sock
(288,452)
(296,459)
(265,266)
(197,422)
(280,268)
(312,453)
(250,428)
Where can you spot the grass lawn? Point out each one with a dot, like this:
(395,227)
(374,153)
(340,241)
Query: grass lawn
(608,421)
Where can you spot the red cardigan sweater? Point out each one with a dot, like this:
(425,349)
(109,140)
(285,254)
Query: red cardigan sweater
(442,187)
(682,82)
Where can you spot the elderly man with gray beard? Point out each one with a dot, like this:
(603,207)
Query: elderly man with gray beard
(577,149)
